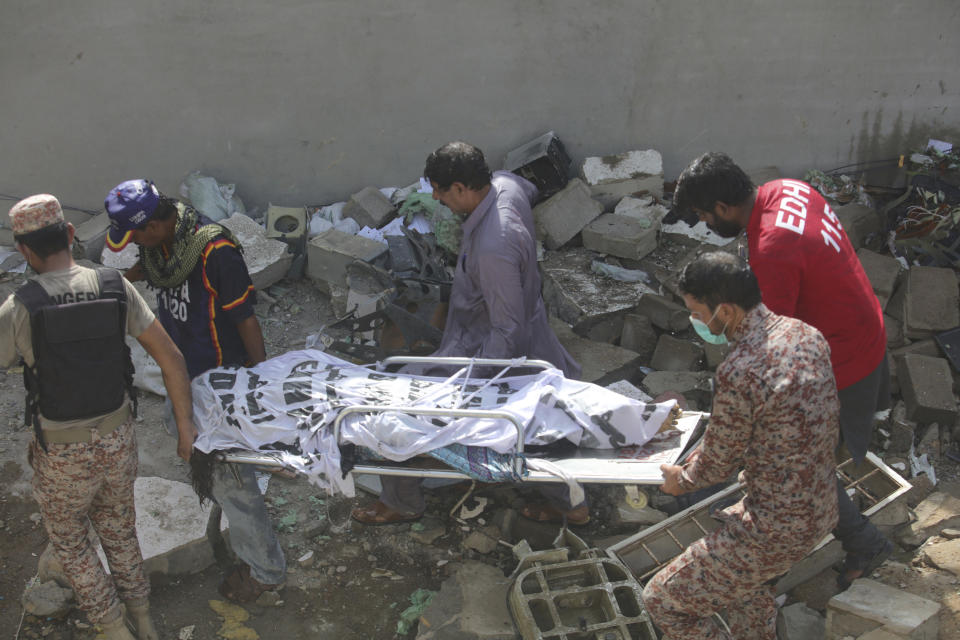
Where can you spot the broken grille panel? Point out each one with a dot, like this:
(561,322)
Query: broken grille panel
(872,485)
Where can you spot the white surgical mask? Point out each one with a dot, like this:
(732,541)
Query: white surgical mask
(703,330)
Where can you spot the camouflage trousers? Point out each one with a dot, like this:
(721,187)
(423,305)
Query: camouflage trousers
(92,483)
(703,580)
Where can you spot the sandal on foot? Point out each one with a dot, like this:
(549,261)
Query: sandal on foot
(240,587)
(379,513)
(855,566)
(545,512)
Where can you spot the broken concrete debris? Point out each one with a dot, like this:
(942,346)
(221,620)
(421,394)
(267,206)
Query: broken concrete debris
(621,236)
(369,207)
(267,260)
(883,273)
(869,605)
(563,215)
(927,388)
(675,354)
(329,253)
(610,178)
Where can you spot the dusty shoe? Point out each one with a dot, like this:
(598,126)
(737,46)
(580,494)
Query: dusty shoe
(116,628)
(138,615)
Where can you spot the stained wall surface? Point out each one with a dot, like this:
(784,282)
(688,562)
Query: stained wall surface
(306,101)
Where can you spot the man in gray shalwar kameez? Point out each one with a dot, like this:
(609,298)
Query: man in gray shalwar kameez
(496,308)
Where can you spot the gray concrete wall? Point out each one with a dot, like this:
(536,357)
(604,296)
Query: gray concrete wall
(306,101)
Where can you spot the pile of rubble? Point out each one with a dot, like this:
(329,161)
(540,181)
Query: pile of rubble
(610,261)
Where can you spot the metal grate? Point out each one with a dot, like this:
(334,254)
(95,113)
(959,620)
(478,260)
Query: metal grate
(872,485)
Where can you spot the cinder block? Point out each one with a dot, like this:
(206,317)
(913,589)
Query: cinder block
(369,208)
(621,236)
(882,271)
(329,253)
(894,329)
(663,312)
(610,178)
(564,214)
(870,605)
(601,363)
(287,224)
(267,260)
(927,387)
(645,208)
(580,297)
(172,527)
(638,335)
(90,237)
(931,303)
(674,354)
(695,386)
(859,221)
(715,353)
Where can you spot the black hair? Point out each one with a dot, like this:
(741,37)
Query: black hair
(47,240)
(711,178)
(166,208)
(719,277)
(457,162)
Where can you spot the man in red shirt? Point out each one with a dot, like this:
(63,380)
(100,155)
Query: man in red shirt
(807,269)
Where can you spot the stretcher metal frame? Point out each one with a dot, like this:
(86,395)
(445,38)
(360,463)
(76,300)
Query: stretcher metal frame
(274,461)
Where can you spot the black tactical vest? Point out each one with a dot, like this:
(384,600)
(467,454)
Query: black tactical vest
(82,366)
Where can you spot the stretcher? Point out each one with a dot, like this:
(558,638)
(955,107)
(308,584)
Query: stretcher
(626,465)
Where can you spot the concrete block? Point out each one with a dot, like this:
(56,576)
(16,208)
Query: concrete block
(621,236)
(715,354)
(870,605)
(674,354)
(90,237)
(172,527)
(329,253)
(799,622)
(581,298)
(882,272)
(894,329)
(695,386)
(543,161)
(859,221)
(601,363)
(931,303)
(564,214)
(944,555)
(937,512)
(638,335)
(927,388)
(288,225)
(471,605)
(369,208)
(646,208)
(926,347)
(610,178)
(663,312)
(267,260)
(607,329)
(624,388)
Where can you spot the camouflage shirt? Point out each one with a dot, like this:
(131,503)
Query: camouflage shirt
(775,417)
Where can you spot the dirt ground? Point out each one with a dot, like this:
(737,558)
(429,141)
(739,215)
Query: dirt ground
(360,578)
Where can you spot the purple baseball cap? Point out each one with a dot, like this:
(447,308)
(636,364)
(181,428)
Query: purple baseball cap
(130,205)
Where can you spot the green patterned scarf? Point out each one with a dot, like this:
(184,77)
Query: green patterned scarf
(188,244)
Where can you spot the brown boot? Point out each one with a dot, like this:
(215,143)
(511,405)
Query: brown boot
(138,615)
(114,626)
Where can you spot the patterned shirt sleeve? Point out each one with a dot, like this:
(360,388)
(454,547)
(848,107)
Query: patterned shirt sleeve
(729,432)
(226,277)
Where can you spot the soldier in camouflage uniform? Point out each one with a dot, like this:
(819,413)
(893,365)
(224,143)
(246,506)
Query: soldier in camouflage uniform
(775,416)
(85,468)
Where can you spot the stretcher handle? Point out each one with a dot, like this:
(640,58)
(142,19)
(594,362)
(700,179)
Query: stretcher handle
(438,411)
(480,362)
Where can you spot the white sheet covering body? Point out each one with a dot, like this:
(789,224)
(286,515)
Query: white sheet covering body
(288,404)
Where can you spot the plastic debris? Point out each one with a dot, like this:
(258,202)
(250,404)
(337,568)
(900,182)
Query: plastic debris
(209,197)
(619,273)
(419,600)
